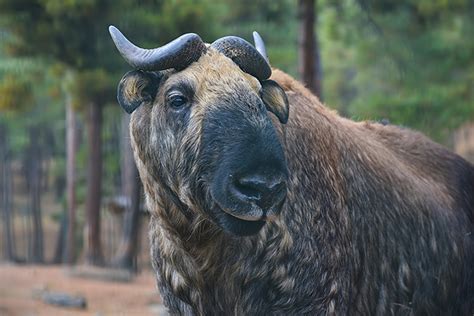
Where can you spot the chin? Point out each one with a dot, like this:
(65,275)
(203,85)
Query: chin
(237,226)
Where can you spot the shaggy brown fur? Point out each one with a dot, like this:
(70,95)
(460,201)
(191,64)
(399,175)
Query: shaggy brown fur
(378,219)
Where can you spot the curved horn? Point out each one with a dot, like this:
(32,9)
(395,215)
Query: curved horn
(260,45)
(177,54)
(244,55)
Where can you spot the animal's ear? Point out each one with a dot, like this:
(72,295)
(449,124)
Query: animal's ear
(137,87)
(275,100)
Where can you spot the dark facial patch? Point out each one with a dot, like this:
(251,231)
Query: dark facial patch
(246,168)
(137,87)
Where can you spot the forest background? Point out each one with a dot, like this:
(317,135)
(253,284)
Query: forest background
(69,191)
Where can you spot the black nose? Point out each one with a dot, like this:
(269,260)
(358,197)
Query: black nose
(266,191)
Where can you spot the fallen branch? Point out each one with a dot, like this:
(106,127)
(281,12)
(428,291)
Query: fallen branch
(64,300)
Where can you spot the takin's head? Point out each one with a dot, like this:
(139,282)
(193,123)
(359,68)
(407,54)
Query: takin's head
(201,130)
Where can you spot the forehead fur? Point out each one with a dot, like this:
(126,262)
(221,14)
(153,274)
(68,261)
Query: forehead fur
(217,82)
(214,71)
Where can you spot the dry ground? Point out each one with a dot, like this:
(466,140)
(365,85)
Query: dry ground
(20,285)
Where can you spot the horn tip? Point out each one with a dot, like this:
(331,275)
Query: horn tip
(113,31)
(256,36)
(260,46)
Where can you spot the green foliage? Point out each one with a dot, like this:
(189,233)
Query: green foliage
(184,16)
(248,11)
(16,94)
(274,20)
(94,85)
(411,62)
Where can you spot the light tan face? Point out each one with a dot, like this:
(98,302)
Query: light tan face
(213,78)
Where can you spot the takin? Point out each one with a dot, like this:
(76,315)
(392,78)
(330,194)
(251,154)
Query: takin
(257,209)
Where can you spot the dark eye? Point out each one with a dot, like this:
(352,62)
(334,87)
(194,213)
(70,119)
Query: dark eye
(177,100)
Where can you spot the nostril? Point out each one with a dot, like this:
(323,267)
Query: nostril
(277,185)
(260,188)
(250,188)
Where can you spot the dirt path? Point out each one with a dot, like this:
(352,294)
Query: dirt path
(20,285)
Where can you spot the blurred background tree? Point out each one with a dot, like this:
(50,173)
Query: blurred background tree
(409,62)
(73,35)
(406,61)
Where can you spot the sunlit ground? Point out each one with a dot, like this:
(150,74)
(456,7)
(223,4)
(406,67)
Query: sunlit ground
(21,289)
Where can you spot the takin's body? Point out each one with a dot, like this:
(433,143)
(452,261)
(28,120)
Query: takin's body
(378,220)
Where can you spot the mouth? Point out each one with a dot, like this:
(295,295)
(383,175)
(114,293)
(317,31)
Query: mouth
(239,225)
(253,214)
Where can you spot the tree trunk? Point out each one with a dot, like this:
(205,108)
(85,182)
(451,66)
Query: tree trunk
(71,146)
(128,248)
(6,196)
(35,174)
(309,57)
(93,248)
(59,252)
